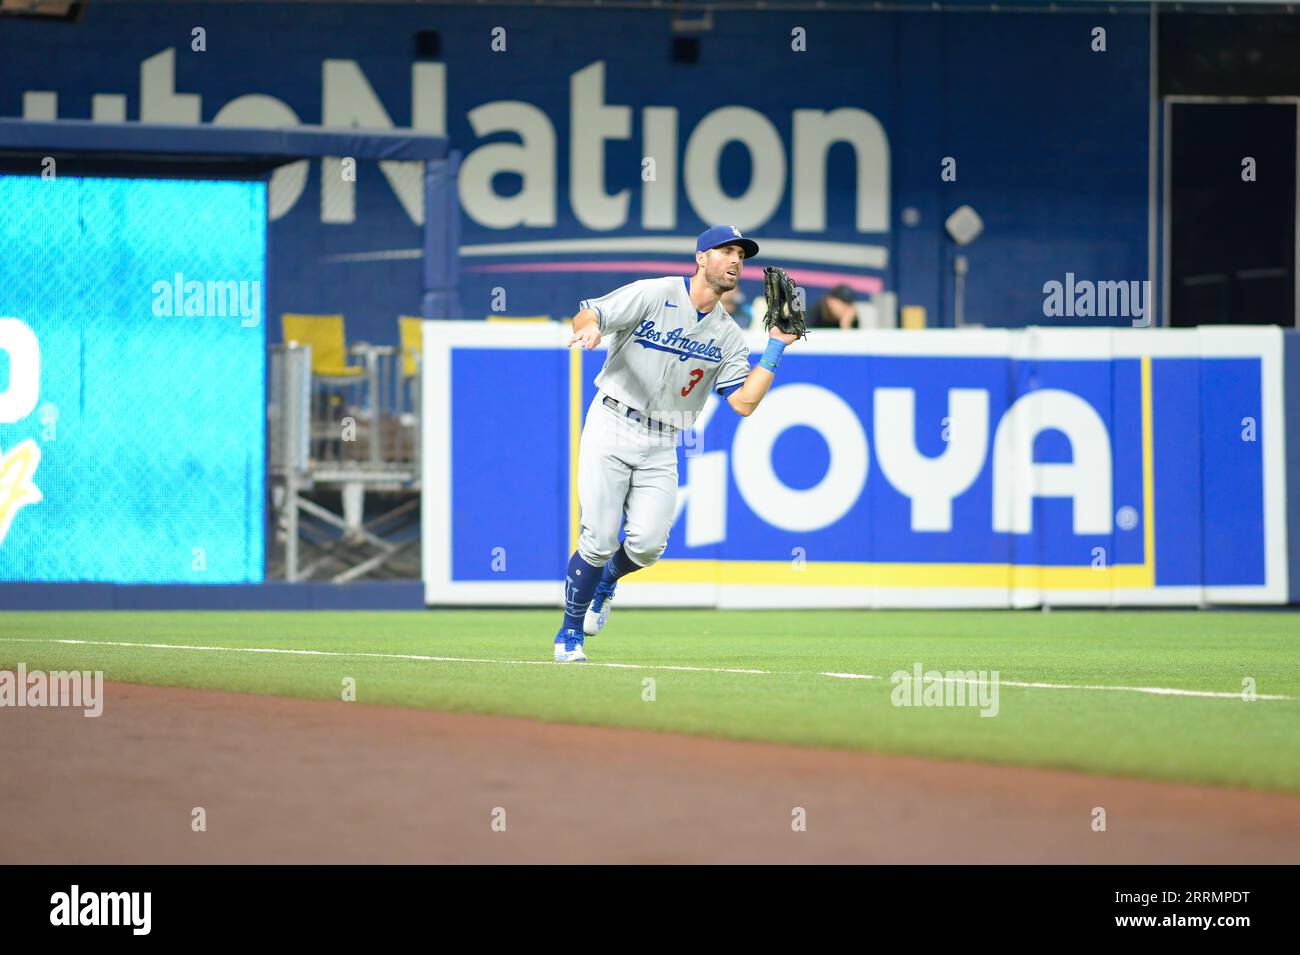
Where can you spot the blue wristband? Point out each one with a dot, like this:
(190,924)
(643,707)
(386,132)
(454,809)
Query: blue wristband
(772,357)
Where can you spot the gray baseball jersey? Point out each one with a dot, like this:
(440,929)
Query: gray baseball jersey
(664,356)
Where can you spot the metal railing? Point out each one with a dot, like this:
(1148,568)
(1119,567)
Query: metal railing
(352,434)
(367,422)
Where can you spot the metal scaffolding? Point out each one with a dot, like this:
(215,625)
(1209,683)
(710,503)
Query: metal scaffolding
(352,437)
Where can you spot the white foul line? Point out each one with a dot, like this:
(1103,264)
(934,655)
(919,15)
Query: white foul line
(1155,690)
(359,653)
(851,676)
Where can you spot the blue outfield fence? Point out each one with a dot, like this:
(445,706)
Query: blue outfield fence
(271,595)
(941,468)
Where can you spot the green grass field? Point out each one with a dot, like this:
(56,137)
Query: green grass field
(501,667)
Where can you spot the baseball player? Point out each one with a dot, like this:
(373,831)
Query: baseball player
(670,343)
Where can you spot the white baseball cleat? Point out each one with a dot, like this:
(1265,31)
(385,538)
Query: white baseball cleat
(598,612)
(568,647)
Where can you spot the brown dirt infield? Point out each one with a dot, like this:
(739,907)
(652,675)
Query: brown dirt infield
(288,780)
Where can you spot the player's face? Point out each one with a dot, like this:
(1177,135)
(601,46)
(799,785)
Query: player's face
(722,267)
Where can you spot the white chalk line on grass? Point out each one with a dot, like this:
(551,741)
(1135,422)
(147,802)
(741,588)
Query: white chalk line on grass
(360,653)
(1155,690)
(425,658)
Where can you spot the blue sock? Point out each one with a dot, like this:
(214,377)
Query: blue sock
(620,565)
(579,586)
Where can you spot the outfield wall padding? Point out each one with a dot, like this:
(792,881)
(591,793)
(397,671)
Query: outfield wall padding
(989,468)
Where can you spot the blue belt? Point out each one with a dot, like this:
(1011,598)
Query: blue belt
(635,415)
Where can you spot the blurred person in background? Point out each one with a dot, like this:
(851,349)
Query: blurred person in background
(738,307)
(835,309)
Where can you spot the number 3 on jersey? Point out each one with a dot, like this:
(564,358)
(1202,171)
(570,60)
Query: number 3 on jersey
(696,375)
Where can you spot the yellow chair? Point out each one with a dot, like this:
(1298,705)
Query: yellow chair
(324,333)
(914,316)
(411,334)
(518,319)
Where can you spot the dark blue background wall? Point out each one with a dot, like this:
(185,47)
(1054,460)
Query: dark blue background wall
(1049,136)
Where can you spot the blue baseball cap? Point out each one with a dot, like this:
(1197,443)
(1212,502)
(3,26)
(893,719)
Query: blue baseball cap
(725,235)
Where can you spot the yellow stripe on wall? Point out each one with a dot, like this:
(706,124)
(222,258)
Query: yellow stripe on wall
(1148,474)
(847,574)
(575,432)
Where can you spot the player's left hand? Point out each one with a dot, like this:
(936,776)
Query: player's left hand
(784,320)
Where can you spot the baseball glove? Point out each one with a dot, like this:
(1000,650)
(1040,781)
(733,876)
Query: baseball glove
(783,306)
